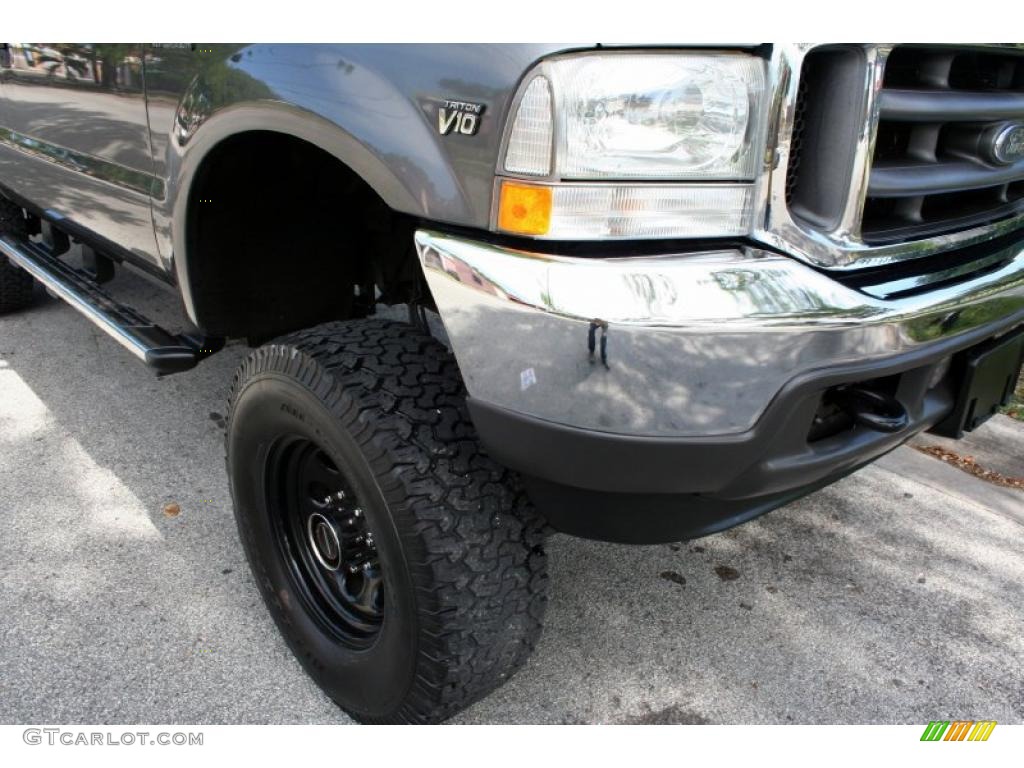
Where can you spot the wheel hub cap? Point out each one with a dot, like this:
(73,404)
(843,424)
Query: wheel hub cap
(324,541)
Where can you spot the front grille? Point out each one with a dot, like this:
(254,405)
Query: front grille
(933,169)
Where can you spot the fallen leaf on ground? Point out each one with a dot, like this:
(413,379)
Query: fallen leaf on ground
(969,465)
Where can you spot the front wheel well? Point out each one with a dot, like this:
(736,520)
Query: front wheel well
(282,235)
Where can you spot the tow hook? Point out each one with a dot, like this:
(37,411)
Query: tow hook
(871,409)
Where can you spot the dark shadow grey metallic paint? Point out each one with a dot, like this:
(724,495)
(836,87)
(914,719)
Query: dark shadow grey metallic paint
(374,107)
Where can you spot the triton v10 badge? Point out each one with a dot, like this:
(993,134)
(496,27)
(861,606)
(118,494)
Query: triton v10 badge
(459,117)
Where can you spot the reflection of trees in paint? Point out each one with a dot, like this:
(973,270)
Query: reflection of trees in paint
(654,290)
(108,59)
(112,66)
(935,326)
(213,80)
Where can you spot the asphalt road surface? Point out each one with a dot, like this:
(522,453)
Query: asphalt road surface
(895,596)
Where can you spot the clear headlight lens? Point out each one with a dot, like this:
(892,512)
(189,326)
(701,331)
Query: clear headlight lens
(623,118)
(658,116)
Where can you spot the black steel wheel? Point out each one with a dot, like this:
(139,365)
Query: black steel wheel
(321,530)
(403,566)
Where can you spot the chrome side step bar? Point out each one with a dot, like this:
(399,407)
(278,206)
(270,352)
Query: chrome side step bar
(158,348)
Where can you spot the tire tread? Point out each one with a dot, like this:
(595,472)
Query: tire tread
(472,540)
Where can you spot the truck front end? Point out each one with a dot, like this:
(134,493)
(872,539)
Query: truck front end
(717,280)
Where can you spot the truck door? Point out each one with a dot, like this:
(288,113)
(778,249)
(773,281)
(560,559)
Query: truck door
(74,139)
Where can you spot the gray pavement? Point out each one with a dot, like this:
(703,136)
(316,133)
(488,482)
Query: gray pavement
(895,596)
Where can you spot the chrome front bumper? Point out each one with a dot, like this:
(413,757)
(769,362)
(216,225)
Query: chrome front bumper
(695,344)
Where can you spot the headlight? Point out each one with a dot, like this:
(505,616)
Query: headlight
(638,117)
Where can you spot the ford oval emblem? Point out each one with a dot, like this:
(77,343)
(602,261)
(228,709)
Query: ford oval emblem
(1008,145)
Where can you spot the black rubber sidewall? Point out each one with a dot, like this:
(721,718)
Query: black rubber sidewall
(372,682)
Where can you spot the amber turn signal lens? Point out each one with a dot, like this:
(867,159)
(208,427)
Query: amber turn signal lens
(524,209)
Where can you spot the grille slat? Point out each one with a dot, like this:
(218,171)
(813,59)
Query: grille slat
(926,106)
(907,179)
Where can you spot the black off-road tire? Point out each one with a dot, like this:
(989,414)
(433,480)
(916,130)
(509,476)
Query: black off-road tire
(16,285)
(460,546)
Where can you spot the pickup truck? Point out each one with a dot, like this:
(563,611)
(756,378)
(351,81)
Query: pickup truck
(651,294)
